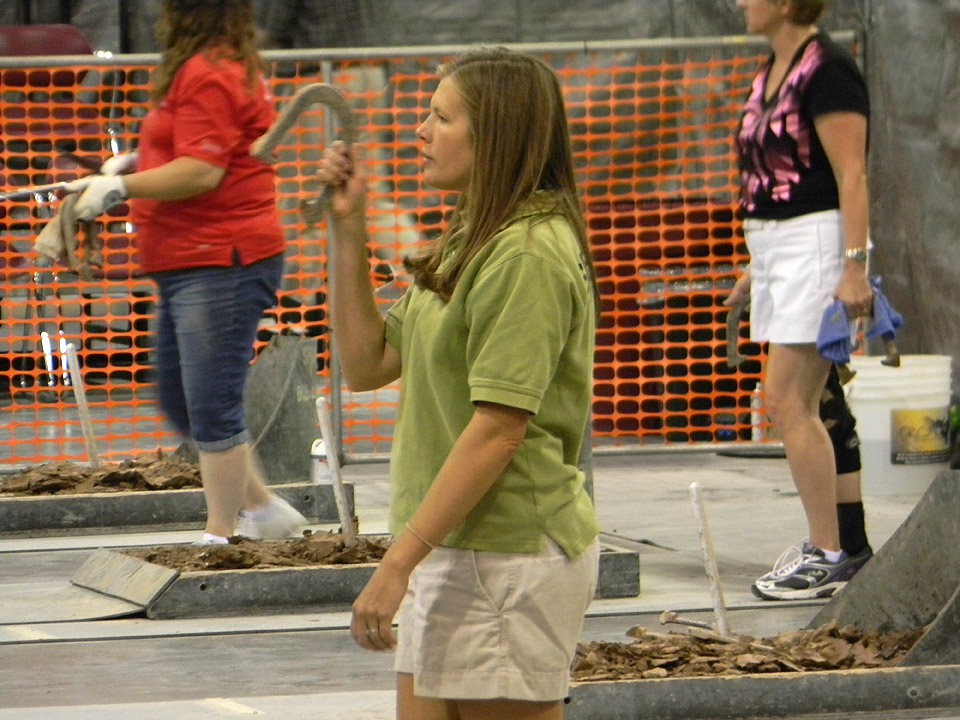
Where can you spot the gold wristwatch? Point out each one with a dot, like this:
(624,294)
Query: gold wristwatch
(856,254)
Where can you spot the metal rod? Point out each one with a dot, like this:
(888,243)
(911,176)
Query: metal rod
(407,51)
(709,561)
(64,359)
(78,392)
(671,617)
(36,190)
(333,462)
(48,358)
(336,374)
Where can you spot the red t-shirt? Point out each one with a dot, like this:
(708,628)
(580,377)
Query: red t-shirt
(209,114)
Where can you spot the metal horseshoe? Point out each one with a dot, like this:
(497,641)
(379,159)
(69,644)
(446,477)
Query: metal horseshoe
(734,315)
(262,148)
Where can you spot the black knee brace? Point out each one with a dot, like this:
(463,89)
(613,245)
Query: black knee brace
(840,424)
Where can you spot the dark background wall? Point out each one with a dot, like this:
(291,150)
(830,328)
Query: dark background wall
(912,60)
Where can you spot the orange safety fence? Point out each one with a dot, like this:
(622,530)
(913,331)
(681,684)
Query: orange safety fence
(652,128)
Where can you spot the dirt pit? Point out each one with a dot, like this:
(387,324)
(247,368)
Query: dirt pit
(694,653)
(156,471)
(700,653)
(314,548)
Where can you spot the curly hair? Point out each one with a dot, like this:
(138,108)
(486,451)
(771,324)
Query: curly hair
(222,27)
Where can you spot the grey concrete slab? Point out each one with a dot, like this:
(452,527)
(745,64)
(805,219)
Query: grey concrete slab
(606,620)
(58,601)
(165,593)
(35,565)
(363,705)
(163,669)
(778,695)
(940,643)
(132,628)
(103,512)
(195,594)
(123,576)
(618,574)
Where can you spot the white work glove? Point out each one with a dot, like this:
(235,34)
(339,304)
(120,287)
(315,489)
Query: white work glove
(100,193)
(120,164)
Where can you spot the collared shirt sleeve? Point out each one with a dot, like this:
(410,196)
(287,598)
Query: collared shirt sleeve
(208,124)
(393,322)
(519,315)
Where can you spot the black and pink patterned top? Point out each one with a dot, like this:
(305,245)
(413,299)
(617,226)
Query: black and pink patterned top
(783,169)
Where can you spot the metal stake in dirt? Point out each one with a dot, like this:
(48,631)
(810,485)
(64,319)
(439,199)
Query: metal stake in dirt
(333,462)
(78,392)
(709,561)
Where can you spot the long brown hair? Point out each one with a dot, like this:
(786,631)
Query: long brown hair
(521,144)
(187,27)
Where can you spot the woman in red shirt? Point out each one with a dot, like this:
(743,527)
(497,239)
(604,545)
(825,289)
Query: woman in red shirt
(209,235)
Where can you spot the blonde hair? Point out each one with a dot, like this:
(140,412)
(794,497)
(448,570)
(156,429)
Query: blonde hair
(521,144)
(223,28)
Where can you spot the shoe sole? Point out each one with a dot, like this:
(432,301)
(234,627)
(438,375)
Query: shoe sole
(816,593)
(295,531)
(286,524)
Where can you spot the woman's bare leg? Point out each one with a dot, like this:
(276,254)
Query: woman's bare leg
(509,710)
(411,707)
(794,379)
(231,481)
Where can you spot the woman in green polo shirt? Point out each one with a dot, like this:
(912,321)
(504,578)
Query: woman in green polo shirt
(495,557)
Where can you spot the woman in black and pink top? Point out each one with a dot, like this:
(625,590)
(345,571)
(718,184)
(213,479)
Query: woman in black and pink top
(802,146)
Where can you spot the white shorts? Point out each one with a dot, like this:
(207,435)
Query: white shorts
(795,266)
(480,625)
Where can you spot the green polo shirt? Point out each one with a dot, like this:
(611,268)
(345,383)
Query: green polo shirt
(518,331)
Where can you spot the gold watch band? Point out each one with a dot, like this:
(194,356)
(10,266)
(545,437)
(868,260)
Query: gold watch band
(855,254)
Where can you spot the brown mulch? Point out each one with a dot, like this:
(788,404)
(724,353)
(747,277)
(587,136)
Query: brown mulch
(317,548)
(700,653)
(155,471)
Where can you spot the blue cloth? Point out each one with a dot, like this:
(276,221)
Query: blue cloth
(886,320)
(834,339)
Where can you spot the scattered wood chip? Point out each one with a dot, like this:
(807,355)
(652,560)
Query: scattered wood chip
(698,653)
(152,471)
(313,549)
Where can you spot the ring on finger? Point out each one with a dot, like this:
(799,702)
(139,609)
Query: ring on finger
(371,632)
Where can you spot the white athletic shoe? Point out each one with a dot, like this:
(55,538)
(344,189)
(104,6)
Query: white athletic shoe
(277,520)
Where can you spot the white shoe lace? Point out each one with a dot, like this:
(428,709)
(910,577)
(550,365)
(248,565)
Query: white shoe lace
(789,560)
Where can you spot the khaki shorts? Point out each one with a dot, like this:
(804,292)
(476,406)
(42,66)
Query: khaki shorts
(480,625)
(795,266)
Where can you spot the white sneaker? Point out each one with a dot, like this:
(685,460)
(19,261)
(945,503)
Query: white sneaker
(276,520)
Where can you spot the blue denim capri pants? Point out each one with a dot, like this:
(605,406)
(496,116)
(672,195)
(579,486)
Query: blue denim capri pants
(207,323)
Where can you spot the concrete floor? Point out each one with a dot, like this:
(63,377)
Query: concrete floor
(63,656)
